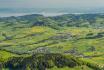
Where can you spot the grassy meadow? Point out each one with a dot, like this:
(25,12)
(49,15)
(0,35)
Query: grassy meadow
(67,42)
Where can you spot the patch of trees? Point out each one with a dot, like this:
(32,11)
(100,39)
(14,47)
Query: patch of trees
(91,48)
(92,36)
(39,62)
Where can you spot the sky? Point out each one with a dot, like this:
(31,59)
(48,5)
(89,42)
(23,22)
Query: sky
(51,3)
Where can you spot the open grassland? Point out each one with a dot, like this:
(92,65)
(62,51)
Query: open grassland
(22,37)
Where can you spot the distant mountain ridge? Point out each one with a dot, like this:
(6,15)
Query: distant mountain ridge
(70,20)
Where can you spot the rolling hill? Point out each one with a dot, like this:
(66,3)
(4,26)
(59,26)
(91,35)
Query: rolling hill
(66,42)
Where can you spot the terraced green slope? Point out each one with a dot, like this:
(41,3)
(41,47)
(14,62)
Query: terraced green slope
(82,36)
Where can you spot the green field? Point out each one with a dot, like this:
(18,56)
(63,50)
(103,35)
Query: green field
(37,40)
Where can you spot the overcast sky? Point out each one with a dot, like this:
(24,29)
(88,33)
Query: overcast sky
(51,3)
